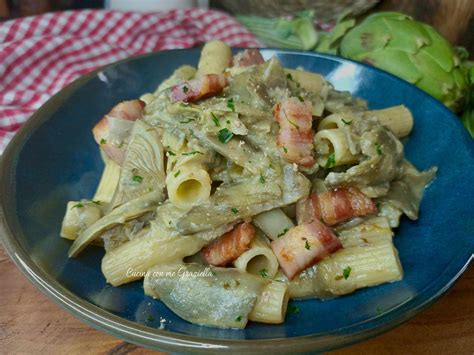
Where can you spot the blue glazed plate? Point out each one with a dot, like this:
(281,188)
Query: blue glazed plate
(53,159)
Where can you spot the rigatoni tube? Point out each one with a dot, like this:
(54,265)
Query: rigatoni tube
(360,266)
(271,304)
(259,259)
(131,260)
(332,148)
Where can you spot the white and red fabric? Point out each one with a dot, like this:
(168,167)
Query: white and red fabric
(39,55)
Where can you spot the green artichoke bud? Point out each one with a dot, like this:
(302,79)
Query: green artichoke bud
(411,50)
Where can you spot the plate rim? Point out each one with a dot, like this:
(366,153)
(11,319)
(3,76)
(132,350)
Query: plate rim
(162,339)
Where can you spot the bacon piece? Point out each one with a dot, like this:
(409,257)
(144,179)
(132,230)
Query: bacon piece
(229,246)
(127,110)
(334,206)
(196,89)
(303,246)
(295,137)
(248,57)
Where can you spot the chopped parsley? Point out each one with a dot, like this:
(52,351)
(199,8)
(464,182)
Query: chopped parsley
(230,104)
(345,274)
(293,309)
(300,98)
(215,119)
(365,240)
(226,285)
(103,141)
(285,150)
(306,244)
(137,178)
(291,122)
(171,153)
(78,205)
(185,89)
(331,162)
(238,318)
(150,318)
(261,179)
(289,76)
(187,120)
(378,205)
(263,273)
(193,152)
(96,202)
(225,135)
(378,147)
(191,132)
(176,174)
(234,210)
(346,122)
(228,121)
(282,233)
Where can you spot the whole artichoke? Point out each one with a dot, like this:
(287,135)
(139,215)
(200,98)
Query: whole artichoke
(411,50)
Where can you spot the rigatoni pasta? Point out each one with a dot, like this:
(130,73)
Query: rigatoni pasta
(241,184)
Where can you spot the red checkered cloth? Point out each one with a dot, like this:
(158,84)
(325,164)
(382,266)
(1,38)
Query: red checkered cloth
(39,55)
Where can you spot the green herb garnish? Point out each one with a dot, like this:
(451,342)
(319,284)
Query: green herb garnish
(150,318)
(176,174)
(306,244)
(263,273)
(238,319)
(230,104)
(193,152)
(226,285)
(215,119)
(293,309)
(78,205)
(225,135)
(103,141)
(285,150)
(282,233)
(261,179)
(191,132)
(97,202)
(346,122)
(171,153)
(379,149)
(346,272)
(185,89)
(187,121)
(331,162)
(289,76)
(300,98)
(137,178)
(234,210)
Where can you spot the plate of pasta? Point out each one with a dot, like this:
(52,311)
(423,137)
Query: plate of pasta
(212,199)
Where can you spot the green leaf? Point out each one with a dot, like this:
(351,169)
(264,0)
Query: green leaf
(346,272)
(263,273)
(224,135)
(78,205)
(234,210)
(293,309)
(467,120)
(230,104)
(193,152)
(137,178)
(331,162)
(215,119)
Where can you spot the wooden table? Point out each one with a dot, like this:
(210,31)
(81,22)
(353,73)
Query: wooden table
(30,323)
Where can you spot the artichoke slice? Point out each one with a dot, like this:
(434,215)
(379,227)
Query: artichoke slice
(192,291)
(120,215)
(143,168)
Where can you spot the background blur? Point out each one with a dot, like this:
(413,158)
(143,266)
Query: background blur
(453,18)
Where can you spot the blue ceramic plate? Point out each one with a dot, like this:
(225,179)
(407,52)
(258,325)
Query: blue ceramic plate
(54,159)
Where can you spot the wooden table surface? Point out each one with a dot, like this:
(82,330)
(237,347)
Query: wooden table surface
(30,323)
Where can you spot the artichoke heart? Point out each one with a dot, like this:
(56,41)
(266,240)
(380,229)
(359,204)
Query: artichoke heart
(218,297)
(411,50)
(143,168)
